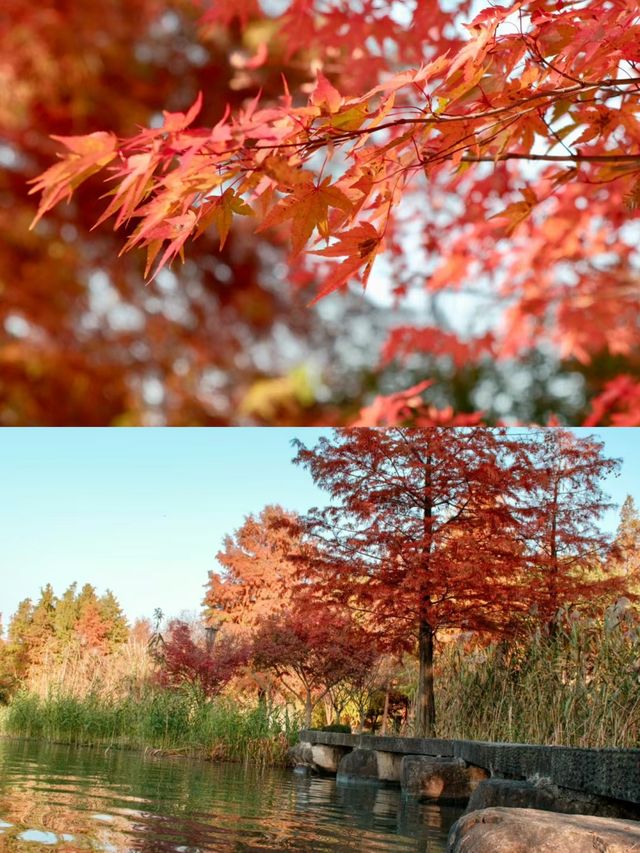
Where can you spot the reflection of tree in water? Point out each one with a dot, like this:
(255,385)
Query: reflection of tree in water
(128,802)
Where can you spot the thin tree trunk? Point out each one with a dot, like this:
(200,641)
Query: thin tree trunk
(552,625)
(425,703)
(425,699)
(363,715)
(308,708)
(385,712)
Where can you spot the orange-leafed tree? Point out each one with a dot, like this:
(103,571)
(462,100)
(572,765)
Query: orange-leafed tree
(260,570)
(491,155)
(419,535)
(264,594)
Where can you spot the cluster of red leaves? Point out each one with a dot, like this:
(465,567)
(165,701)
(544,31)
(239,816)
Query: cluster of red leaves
(322,648)
(184,662)
(549,85)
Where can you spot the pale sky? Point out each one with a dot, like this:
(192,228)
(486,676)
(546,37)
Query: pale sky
(144,511)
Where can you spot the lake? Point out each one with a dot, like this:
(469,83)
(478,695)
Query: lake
(68,799)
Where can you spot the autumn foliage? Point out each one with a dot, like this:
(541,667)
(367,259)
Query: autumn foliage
(185,663)
(434,552)
(469,529)
(492,161)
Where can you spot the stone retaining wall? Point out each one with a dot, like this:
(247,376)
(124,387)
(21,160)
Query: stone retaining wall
(611,773)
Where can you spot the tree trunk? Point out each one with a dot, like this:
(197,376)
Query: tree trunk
(308,708)
(552,624)
(385,711)
(363,715)
(425,700)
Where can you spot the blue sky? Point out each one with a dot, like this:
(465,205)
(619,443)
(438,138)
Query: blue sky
(144,511)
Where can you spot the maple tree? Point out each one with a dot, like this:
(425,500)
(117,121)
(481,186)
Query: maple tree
(493,161)
(312,650)
(187,664)
(84,340)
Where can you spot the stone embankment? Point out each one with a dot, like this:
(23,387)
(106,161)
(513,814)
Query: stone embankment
(519,797)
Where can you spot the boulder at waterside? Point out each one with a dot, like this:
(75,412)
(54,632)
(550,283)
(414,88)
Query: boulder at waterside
(300,756)
(358,766)
(447,780)
(506,830)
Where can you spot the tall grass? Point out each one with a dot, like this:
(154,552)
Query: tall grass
(157,720)
(578,687)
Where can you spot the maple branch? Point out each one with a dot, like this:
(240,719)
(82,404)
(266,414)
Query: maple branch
(595,158)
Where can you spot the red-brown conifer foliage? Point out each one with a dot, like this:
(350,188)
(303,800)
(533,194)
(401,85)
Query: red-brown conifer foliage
(559,517)
(466,528)
(259,570)
(419,534)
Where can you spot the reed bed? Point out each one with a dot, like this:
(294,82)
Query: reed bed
(580,686)
(158,721)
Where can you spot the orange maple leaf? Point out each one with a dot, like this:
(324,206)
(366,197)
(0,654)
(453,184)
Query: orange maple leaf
(86,155)
(360,245)
(307,206)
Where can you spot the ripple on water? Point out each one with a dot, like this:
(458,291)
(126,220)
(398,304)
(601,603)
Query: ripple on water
(128,803)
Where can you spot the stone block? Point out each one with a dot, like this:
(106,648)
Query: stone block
(300,755)
(389,766)
(327,758)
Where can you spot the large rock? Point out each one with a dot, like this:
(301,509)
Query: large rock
(327,758)
(389,766)
(300,757)
(361,765)
(500,830)
(546,796)
(447,780)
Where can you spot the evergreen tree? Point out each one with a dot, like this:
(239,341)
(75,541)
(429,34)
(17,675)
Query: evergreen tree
(111,612)
(66,617)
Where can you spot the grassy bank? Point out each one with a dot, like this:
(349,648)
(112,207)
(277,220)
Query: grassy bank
(158,720)
(580,687)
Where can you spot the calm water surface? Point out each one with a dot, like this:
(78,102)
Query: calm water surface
(66,799)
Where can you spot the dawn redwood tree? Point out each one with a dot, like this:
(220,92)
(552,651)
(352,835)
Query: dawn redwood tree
(559,518)
(627,542)
(494,159)
(418,535)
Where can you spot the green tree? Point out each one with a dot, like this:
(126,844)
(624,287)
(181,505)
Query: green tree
(17,647)
(66,616)
(42,628)
(111,612)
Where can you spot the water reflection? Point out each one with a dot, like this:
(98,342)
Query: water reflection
(66,799)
